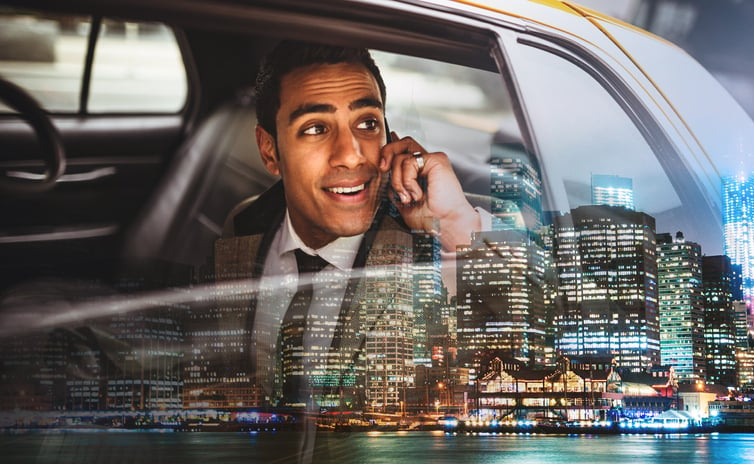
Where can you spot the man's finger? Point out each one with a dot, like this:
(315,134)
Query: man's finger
(396,179)
(410,174)
(396,147)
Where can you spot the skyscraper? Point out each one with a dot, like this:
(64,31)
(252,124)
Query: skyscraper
(719,320)
(515,185)
(738,229)
(612,191)
(500,297)
(606,261)
(149,355)
(219,358)
(679,275)
(742,324)
(387,310)
(427,293)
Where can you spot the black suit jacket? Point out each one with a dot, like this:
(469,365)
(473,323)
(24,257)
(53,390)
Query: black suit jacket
(242,253)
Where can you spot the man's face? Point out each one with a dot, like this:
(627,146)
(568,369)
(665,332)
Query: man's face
(330,128)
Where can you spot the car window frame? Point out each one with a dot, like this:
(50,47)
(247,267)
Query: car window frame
(93,37)
(653,122)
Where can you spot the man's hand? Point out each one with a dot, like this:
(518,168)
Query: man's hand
(442,208)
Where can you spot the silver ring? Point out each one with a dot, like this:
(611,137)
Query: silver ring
(419,160)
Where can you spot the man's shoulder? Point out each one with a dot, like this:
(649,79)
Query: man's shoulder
(256,214)
(235,257)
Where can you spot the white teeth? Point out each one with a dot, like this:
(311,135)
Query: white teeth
(341,190)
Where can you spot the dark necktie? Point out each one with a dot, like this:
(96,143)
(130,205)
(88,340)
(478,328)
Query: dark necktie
(293,327)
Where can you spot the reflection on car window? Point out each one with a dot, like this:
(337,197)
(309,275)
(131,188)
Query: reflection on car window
(544,314)
(454,109)
(193,358)
(581,130)
(626,251)
(717,121)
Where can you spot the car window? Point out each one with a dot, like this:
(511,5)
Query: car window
(603,253)
(714,116)
(454,109)
(45,55)
(581,131)
(547,319)
(137,66)
(625,236)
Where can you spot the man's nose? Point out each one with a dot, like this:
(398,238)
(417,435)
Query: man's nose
(346,151)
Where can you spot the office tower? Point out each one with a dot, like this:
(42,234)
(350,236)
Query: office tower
(738,226)
(428,292)
(612,191)
(147,350)
(223,365)
(500,303)
(745,363)
(719,320)
(736,281)
(322,377)
(441,329)
(130,361)
(515,185)
(448,322)
(606,261)
(742,324)
(547,235)
(33,372)
(681,304)
(387,310)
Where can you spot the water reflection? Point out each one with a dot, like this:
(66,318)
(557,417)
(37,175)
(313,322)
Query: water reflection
(383,447)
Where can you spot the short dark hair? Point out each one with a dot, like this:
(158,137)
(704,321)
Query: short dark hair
(289,55)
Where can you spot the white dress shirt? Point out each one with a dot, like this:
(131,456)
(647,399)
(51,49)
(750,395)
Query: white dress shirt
(279,283)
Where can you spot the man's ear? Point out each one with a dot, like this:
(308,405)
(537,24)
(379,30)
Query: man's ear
(267,150)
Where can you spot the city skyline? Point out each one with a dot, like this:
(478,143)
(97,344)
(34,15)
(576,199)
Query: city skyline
(588,283)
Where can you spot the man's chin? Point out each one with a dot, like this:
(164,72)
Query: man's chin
(351,230)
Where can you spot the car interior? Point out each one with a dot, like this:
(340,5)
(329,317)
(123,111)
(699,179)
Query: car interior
(152,172)
(143,190)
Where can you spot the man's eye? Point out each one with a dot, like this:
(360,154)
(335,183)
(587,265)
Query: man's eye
(316,129)
(369,124)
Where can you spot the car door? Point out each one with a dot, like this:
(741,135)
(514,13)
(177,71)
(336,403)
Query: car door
(117,92)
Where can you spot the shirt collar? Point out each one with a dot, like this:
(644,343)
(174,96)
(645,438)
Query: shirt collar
(340,253)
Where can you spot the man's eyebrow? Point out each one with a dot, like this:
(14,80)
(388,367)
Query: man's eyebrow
(308,108)
(367,102)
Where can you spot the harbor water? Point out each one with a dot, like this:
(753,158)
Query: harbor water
(374,447)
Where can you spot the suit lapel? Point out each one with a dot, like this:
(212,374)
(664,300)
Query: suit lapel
(243,257)
(240,259)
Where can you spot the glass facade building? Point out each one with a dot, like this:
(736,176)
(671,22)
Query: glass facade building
(500,302)
(738,227)
(607,285)
(515,186)
(679,271)
(719,320)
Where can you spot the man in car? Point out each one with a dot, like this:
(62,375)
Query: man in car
(350,194)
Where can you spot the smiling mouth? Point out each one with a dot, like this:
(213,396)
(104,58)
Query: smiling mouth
(348,190)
